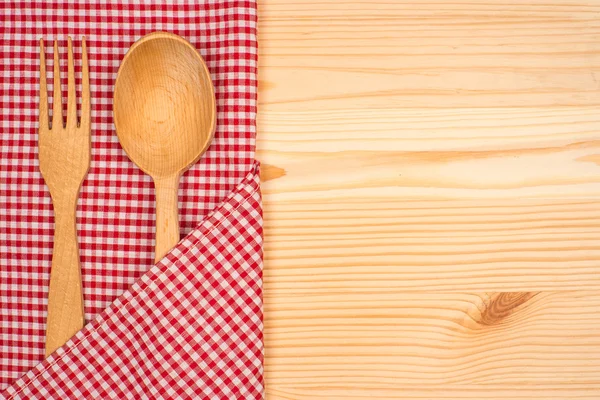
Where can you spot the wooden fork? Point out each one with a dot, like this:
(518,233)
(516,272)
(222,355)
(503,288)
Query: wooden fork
(64,154)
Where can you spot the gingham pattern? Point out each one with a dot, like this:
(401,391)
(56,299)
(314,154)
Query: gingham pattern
(189,328)
(116,206)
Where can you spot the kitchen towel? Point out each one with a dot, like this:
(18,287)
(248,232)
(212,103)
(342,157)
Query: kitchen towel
(189,326)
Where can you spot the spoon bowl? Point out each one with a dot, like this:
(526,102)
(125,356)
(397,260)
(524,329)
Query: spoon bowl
(165,116)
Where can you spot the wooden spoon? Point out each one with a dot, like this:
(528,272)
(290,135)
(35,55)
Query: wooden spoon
(165,116)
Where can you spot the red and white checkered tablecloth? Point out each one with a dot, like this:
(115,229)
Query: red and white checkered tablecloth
(189,326)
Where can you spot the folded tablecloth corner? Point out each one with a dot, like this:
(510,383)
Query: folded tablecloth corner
(191,326)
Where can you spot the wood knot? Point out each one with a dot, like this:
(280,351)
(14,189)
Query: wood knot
(500,305)
(269,172)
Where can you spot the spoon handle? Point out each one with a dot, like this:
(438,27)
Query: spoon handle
(167,220)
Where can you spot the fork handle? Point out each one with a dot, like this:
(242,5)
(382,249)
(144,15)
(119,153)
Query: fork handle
(65,298)
(167,219)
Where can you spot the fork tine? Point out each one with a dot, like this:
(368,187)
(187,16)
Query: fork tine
(71,97)
(43,89)
(57,115)
(85,87)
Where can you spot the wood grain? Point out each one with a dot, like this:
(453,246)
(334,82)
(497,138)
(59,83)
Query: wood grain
(431,179)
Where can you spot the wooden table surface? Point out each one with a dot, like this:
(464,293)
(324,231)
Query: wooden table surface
(431,189)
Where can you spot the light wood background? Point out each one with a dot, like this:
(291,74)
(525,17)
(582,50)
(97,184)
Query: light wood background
(431,189)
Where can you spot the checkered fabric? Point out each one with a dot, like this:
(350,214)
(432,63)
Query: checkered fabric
(188,327)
